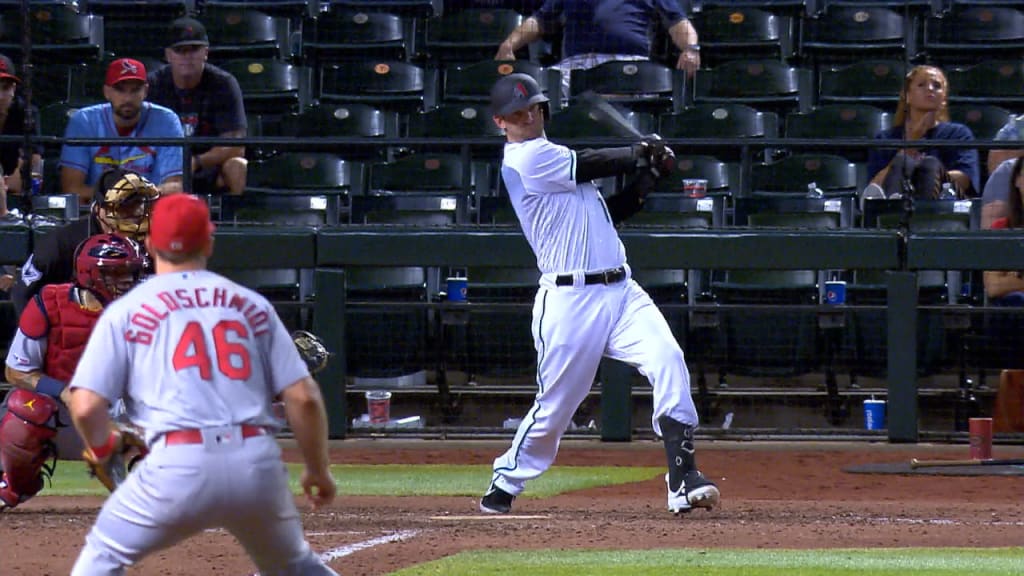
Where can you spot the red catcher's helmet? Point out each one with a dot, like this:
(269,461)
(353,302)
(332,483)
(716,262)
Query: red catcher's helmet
(108,265)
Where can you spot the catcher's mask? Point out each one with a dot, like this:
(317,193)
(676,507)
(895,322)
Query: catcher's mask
(124,202)
(108,265)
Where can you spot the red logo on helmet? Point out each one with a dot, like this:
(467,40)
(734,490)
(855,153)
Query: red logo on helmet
(520,90)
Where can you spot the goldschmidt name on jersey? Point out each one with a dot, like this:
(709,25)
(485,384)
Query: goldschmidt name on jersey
(147,318)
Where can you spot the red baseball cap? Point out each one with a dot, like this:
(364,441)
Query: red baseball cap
(180,224)
(125,69)
(7,69)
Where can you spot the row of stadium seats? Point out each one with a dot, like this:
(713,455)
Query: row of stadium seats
(839,34)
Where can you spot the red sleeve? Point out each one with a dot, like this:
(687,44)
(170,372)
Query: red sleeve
(33,322)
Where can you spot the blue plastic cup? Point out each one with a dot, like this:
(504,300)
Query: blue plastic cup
(457,289)
(835,292)
(874,414)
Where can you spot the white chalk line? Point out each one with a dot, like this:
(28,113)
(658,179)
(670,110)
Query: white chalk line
(342,551)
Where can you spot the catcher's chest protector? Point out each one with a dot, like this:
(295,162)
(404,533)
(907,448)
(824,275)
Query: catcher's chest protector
(26,443)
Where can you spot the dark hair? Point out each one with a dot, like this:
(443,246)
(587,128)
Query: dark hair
(1015,207)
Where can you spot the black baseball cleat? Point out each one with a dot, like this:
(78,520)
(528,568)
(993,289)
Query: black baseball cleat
(695,491)
(496,501)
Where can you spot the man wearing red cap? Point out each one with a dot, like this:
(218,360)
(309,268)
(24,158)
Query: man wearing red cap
(221,355)
(125,115)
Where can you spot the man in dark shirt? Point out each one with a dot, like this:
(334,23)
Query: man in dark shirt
(208,101)
(596,31)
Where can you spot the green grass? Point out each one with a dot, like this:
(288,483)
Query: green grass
(72,479)
(833,562)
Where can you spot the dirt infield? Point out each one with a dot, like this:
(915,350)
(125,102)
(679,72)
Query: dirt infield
(775,495)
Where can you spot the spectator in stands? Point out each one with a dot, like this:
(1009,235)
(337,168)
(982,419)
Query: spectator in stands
(922,114)
(1011,133)
(208,102)
(12,123)
(126,114)
(1003,287)
(596,31)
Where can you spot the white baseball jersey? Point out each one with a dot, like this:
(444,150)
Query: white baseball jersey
(566,222)
(190,350)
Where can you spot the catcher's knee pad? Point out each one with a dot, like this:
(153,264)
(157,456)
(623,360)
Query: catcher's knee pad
(26,443)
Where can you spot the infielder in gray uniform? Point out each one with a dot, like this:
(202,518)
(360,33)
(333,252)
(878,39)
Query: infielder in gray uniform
(587,305)
(198,360)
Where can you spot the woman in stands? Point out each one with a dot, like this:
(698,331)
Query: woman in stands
(922,115)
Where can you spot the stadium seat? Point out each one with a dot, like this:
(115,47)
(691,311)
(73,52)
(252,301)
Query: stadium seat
(844,121)
(765,84)
(720,120)
(983,120)
(874,82)
(418,8)
(967,34)
(424,188)
(294,9)
(643,86)
(722,178)
(576,122)
(296,188)
(455,121)
(246,33)
(498,343)
(344,35)
(390,84)
(271,87)
(472,82)
(992,82)
(60,35)
(843,34)
(743,33)
(468,36)
(835,175)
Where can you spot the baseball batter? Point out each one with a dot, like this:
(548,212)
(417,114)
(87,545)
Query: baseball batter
(587,305)
(51,336)
(198,360)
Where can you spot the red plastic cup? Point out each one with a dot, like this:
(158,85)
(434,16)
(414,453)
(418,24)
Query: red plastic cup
(980,432)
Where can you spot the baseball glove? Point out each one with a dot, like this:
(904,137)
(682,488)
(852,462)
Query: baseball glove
(129,448)
(312,350)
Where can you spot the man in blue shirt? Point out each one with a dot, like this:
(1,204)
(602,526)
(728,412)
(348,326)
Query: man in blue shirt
(125,115)
(596,31)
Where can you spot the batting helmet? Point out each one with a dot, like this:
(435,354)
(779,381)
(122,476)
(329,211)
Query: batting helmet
(108,265)
(126,199)
(515,92)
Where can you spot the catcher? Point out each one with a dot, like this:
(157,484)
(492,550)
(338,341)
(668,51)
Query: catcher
(52,333)
(124,200)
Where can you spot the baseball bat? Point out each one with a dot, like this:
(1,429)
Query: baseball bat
(608,116)
(915,463)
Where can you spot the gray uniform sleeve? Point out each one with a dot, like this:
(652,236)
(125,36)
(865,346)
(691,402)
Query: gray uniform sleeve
(285,365)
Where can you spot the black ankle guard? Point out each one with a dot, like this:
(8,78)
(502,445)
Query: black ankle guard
(678,438)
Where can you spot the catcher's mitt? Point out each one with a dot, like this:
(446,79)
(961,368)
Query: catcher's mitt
(129,448)
(312,350)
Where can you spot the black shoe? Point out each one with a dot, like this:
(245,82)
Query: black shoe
(496,501)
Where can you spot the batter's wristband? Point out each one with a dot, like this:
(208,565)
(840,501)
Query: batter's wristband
(50,386)
(101,452)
